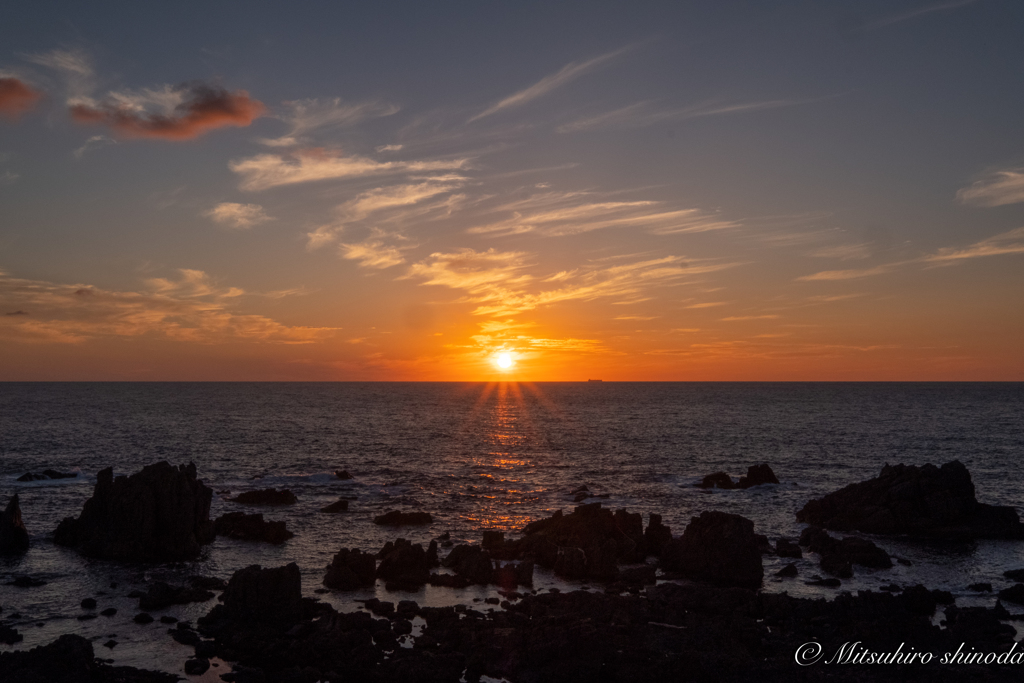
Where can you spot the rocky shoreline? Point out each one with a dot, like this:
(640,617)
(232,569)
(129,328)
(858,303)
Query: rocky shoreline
(664,607)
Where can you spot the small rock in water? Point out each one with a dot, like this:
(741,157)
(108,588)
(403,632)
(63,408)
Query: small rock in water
(788,571)
(89,603)
(110,644)
(826,583)
(168,619)
(980,587)
(266,497)
(1014,593)
(396,518)
(196,667)
(143,618)
(109,612)
(342,474)
(339,506)
(1015,574)
(26,582)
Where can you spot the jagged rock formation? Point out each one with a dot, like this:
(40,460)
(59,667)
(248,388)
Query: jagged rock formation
(351,569)
(717,547)
(928,501)
(755,476)
(160,514)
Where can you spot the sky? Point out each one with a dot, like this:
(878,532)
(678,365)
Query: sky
(408,191)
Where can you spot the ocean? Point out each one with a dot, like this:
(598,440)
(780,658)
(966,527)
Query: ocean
(478,456)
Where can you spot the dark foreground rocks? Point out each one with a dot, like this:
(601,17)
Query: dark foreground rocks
(672,633)
(717,547)
(13,535)
(70,659)
(927,502)
(839,555)
(266,497)
(351,569)
(160,514)
(756,475)
(251,528)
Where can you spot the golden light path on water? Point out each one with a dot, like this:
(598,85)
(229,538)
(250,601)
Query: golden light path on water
(508,470)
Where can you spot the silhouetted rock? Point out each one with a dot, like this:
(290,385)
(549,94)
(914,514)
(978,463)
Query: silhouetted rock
(786,548)
(26,582)
(263,595)
(1014,593)
(337,506)
(265,497)
(788,571)
(839,556)
(656,535)
(160,514)
(342,474)
(471,562)
(405,565)
(757,475)
(143,618)
(32,476)
(251,528)
(350,569)
(605,538)
(1014,574)
(825,583)
(980,587)
(717,547)
(396,518)
(925,501)
(13,535)
(196,667)
(9,635)
(47,474)
(161,596)
(718,480)
(89,603)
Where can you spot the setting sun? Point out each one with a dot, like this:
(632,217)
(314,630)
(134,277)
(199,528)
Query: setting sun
(504,361)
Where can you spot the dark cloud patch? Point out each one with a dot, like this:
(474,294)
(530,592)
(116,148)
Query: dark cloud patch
(17,97)
(19,312)
(203,108)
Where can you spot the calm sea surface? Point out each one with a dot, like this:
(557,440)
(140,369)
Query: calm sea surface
(479,456)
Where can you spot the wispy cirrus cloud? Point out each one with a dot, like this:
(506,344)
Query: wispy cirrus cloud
(647,113)
(569,213)
(497,282)
(181,112)
(95,142)
(307,116)
(1011,242)
(566,74)
(190,307)
(264,171)
(997,189)
(238,216)
(17,97)
(915,13)
(376,251)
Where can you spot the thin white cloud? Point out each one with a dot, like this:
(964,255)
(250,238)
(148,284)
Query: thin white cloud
(852,274)
(388,148)
(239,216)
(843,252)
(645,113)
(94,142)
(306,116)
(75,69)
(567,73)
(264,171)
(999,188)
(913,14)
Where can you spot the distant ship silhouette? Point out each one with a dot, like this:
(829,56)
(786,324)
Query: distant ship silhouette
(595,380)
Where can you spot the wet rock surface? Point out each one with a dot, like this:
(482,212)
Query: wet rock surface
(162,595)
(157,515)
(251,528)
(47,474)
(755,476)
(926,501)
(335,507)
(839,555)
